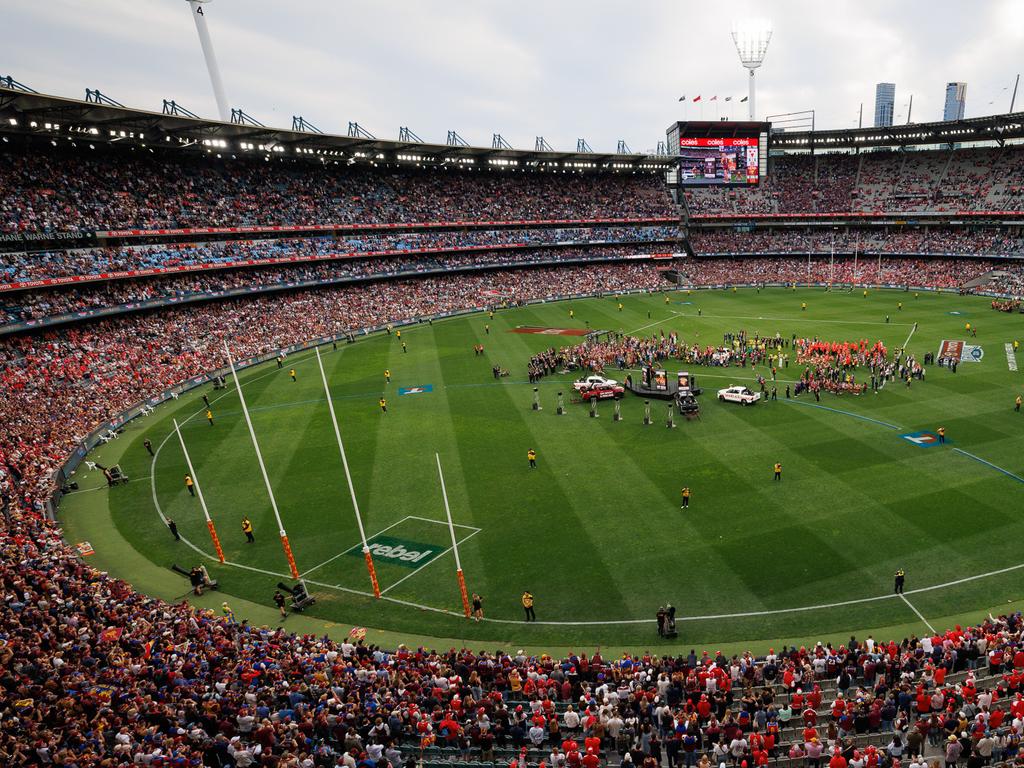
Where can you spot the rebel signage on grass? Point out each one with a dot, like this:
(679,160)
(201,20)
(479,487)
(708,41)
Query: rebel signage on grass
(408,554)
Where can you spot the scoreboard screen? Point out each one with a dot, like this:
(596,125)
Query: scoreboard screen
(720,154)
(718,161)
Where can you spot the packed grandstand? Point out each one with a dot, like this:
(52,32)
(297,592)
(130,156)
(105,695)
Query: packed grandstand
(96,674)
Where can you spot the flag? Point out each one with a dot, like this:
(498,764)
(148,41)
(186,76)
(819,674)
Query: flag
(682,98)
(728,98)
(696,99)
(743,99)
(111,634)
(713,98)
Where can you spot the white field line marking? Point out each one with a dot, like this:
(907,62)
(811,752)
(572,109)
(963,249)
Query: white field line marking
(442,522)
(909,335)
(792,319)
(410,575)
(919,614)
(645,327)
(335,557)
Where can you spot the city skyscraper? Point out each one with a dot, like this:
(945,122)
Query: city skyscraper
(885,103)
(956,100)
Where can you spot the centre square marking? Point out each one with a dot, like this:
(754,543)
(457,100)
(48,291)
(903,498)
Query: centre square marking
(403,552)
(550,331)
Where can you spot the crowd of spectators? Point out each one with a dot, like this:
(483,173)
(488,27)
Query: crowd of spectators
(24,266)
(931,273)
(984,179)
(944,241)
(81,190)
(19,306)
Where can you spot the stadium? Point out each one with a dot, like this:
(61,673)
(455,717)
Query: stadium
(330,450)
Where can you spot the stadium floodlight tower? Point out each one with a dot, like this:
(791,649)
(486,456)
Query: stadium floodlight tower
(199,15)
(751,38)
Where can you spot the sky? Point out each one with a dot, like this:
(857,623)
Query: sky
(603,70)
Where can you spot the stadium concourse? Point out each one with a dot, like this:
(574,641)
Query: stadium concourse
(98,674)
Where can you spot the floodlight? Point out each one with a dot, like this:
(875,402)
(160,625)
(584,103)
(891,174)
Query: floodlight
(751,38)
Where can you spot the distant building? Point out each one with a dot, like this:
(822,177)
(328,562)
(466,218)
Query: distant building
(956,100)
(885,102)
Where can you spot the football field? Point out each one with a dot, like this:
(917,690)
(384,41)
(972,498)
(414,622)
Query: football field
(596,532)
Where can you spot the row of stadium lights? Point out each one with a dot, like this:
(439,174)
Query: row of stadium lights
(950,132)
(269,149)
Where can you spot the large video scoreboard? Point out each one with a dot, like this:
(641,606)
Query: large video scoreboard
(723,154)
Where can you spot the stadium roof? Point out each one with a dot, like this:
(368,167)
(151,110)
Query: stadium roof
(992,129)
(54,117)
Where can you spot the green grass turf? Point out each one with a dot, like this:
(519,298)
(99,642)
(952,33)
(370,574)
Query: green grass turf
(596,532)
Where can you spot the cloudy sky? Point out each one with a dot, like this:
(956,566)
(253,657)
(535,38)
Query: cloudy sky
(602,70)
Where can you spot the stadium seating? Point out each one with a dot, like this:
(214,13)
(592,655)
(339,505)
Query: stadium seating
(947,180)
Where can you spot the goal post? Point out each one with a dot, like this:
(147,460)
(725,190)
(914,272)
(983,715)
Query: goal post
(348,479)
(263,471)
(199,494)
(455,542)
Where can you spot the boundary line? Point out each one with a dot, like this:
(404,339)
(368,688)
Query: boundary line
(649,325)
(919,614)
(845,413)
(1018,478)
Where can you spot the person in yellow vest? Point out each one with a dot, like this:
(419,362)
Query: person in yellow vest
(899,306)
(686,498)
(398,335)
(571,314)
(531,456)
(803,306)
(865,294)
(487,329)
(620,306)
(666,298)
(292,374)
(383,405)
(387,375)
(942,434)
(528,606)
(1016,345)
(247,530)
(209,416)
(778,470)
(189,484)
(1016,404)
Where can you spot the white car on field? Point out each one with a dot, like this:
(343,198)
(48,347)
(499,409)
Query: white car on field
(738,394)
(594,380)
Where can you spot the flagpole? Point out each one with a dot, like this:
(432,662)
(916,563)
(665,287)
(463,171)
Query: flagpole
(199,494)
(455,543)
(348,478)
(263,470)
